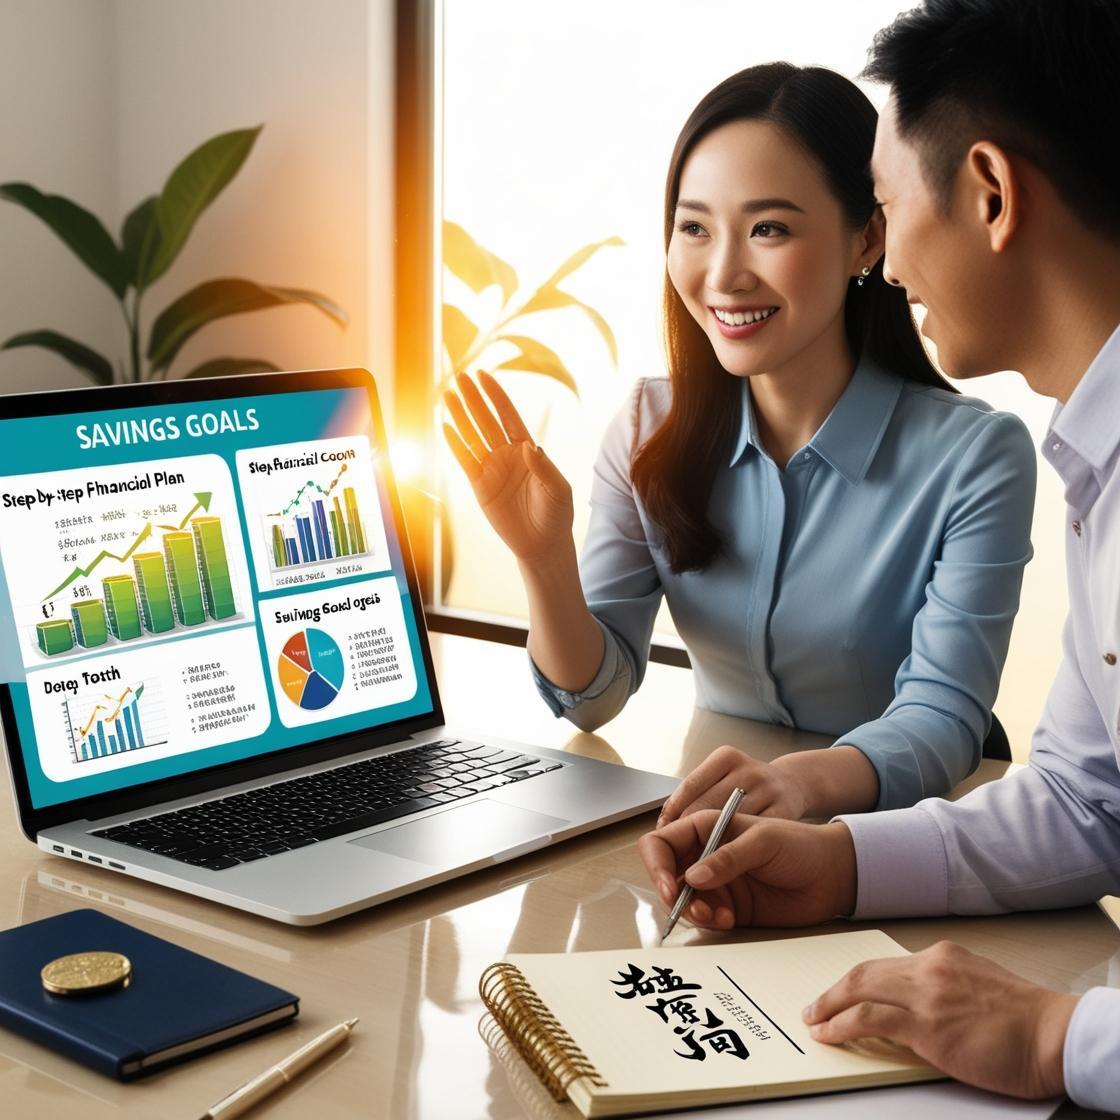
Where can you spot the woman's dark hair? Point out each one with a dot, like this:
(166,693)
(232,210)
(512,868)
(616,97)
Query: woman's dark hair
(675,469)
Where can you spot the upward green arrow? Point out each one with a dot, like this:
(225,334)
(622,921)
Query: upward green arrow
(81,573)
(203,502)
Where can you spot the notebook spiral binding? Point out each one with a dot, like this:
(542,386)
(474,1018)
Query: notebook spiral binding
(549,1050)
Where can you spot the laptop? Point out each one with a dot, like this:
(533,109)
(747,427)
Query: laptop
(216,666)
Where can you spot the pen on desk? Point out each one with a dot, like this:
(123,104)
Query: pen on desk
(685,897)
(249,1094)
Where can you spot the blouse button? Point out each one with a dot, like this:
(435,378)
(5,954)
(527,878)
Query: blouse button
(1110,658)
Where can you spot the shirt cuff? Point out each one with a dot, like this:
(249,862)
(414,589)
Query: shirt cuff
(901,868)
(560,699)
(1091,1059)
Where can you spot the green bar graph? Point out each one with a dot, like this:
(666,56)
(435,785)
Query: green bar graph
(344,546)
(182,572)
(155,592)
(337,538)
(278,556)
(88,617)
(356,537)
(213,566)
(122,607)
(55,636)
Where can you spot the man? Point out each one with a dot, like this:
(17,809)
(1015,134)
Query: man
(996,162)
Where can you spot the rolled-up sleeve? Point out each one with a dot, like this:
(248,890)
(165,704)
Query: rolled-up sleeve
(930,736)
(620,582)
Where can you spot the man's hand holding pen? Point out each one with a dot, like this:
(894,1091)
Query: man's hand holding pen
(767,872)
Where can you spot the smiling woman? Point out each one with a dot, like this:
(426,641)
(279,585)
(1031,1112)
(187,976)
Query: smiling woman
(811,449)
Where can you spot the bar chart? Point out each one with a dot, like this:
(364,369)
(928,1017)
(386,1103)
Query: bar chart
(315,511)
(184,583)
(316,526)
(114,724)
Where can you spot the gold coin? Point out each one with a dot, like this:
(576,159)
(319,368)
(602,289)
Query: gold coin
(85,973)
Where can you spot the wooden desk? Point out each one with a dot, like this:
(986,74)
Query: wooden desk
(410,969)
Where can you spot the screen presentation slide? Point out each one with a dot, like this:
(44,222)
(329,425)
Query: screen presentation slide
(108,558)
(137,706)
(313,511)
(338,651)
(130,592)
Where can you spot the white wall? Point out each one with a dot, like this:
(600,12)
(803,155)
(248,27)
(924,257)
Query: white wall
(57,133)
(120,90)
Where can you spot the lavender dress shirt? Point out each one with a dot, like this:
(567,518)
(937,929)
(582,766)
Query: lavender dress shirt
(1048,835)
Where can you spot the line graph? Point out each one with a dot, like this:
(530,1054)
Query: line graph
(315,486)
(116,724)
(202,502)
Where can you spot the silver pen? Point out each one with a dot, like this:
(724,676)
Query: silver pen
(685,897)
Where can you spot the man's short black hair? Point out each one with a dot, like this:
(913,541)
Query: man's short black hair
(1040,78)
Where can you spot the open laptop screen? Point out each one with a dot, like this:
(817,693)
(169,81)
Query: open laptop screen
(193,583)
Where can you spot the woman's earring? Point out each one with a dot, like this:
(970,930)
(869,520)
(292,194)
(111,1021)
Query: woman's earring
(865,272)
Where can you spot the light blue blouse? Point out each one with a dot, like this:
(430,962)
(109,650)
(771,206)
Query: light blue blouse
(867,591)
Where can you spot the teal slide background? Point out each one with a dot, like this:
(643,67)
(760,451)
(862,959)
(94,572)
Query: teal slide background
(50,443)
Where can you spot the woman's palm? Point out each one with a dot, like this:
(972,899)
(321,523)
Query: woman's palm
(524,497)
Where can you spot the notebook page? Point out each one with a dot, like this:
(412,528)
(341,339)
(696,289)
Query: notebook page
(658,1022)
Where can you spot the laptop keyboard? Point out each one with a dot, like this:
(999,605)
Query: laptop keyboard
(262,822)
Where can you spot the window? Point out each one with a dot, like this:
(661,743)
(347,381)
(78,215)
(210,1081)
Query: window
(553,125)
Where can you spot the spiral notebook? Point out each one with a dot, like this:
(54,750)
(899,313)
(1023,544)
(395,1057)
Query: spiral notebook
(641,1030)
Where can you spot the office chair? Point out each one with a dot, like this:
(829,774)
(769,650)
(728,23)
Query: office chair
(996,745)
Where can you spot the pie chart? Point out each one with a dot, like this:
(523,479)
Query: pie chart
(310,669)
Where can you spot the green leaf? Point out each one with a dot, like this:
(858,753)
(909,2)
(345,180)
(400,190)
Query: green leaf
(535,357)
(459,334)
(83,233)
(227,367)
(138,227)
(189,190)
(578,259)
(477,267)
(217,299)
(76,353)
(552,299)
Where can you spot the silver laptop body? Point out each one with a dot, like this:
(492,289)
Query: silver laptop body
(219,673)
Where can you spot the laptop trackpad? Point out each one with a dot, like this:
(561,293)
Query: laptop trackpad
(462,834)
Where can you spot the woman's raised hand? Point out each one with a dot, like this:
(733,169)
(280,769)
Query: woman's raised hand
(519,489)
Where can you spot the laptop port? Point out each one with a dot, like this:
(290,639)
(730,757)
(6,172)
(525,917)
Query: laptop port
(75,852)
(59,848)
(94,859)
(117,866)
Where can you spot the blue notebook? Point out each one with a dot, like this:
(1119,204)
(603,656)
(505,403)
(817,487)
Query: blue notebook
(178,1003)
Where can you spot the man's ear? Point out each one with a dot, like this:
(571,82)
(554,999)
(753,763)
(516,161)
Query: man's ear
(873,240)
(994,191)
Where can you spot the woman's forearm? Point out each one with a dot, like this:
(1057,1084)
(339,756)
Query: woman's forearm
(835,780)
(565,641)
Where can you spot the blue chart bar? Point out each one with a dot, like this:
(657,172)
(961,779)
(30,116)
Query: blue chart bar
(322,533)
(303,526)
(118,730)
(290,545)
(134,710)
